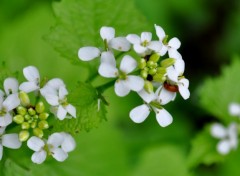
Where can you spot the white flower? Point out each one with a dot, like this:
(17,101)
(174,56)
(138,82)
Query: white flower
(68,143)
(143,45)
(140,113)
(171,47)
(55,94)
(6,106)
(51,147)
(125,82)
(234,109)
(228,137)
(8,140)
(32,75)
(10,86)
(111,42)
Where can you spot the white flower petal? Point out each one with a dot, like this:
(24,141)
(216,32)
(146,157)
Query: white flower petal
(163,117)
(234,109)
(164,50)
(2,129)
(139,49)
(146,37)
(5,120)
(1,151)
(52,99)
(164,96)
(11,141)
(31,73)
(39,157)
(119,43)
(107,70)
(128,64)
(133,38)
(48,90)
(55,83)
(139,113)
(35,143)
(71,110)
(174,43)
(10,85)
(88,53)
(121,89)
(108,57)
(147,97)
(134,83)
(61,113)
(233,135)
(62,92)
(223,147)
(218,131)
(155,46)
(59,154)
(160,32)
(107,33)
(173,53)
(179,66)
(172,74)
(183,90)
(69,143)
(56,139)
(11,102)
(28,87)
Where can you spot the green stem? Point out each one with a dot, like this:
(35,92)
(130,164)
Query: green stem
(105,86)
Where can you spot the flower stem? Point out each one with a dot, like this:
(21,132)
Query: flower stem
(105,86)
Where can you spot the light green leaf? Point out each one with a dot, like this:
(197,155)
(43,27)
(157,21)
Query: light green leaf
(11,169)
(216,93)
(85,98)
(203,150)
(79,22)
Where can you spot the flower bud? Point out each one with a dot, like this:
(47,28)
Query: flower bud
(27,117)
(38,132)
(25,125)
(161,70)
(35,117)
(33,124)
(43,116)
(142,63)
(148,86)
(31,111)
(167,62)
(159,77)
(144,74)
(24,98)
(40,107)
(152,71)
(154,57)
(43,124)
(150,63)
(18,119)
(23,135)
(21,110)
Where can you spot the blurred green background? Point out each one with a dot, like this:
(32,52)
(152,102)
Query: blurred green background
(210,36)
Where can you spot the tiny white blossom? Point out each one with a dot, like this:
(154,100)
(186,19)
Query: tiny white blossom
(10,86)
(55,94)
(31,73)
(234,109)
(228,137)
(111,42)
(125,82)
(171,47)
(143,45)
(53,147)
(8,140)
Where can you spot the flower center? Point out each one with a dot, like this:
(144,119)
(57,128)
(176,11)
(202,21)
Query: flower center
(122,75)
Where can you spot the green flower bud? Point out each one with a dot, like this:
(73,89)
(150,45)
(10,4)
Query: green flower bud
(167,62)
(144,74)
(25,125)
(150,63)
(23,135)
(30,120)
(24,98)
(43,116)
(35,117)
(142,63)
(31,111)
(152,71)
(154,57)
(27,117)
(38,132)
(43,124)
(18,119)
(33,124)
(40,107)
(21,110)
(148,86)
(146,69)
(159,77)
(161,70)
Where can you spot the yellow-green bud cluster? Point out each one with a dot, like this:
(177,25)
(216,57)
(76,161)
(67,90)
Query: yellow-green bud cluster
(32,120)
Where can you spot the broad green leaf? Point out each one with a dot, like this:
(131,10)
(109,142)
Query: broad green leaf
(167,160)
(85,98)
(216,93)
(12,168)
(79,22)
(203,150)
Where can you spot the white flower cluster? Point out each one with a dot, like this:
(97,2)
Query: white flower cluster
(228,136)
(33,119)
(154,78)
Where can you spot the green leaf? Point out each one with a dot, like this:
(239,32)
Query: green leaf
(203,150)
(79,22)
(216,93)
(11,169)
(85,98)
(165,160)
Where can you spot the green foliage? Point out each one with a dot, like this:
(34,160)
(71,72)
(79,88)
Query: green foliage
(79,22)
(203,150)
(85,98)
(5,73)
(216,93)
